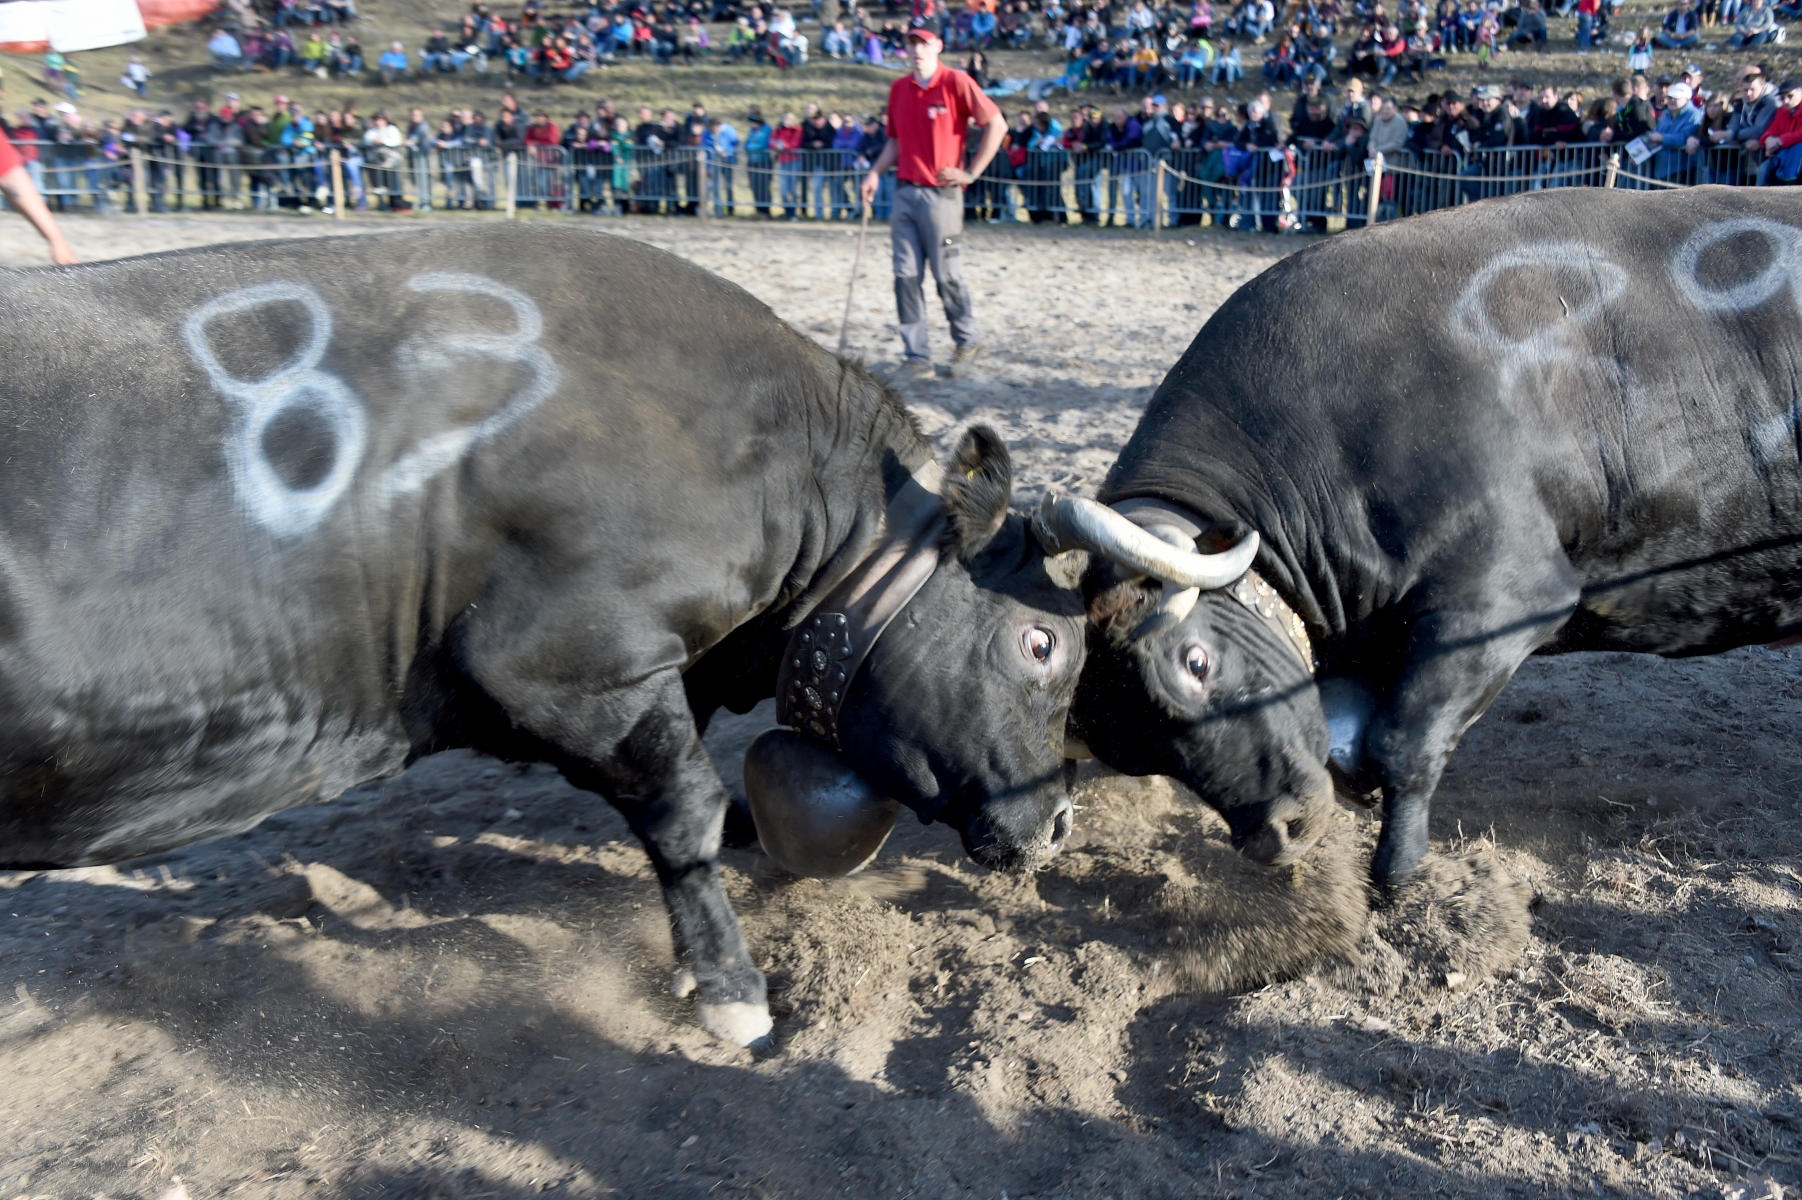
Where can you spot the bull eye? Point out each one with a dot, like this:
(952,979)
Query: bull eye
(1196,660)
(1038,643)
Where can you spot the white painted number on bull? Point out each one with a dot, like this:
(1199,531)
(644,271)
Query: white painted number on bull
(411,472)
(288,511)
(1780,273)
(1602,281)
(284,510)
(1775,438)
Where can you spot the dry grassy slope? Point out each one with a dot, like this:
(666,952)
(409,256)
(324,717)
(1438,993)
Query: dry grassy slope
(178,57)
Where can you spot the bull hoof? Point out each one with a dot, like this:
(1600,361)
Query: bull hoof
(742,1024)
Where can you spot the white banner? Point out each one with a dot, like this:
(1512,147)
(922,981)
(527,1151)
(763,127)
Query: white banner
(25,21)
(91,24)
(71,25)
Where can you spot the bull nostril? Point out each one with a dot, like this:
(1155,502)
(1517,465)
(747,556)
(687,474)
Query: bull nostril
(1060,828)
(1296,829)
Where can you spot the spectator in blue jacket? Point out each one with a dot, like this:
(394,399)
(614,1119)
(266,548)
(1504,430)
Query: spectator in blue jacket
(721,142)
(1682,28)
(1227,68)
(982,28)
(393,63)
(1675,127)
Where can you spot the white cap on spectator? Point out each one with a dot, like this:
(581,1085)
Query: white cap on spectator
(1680,93)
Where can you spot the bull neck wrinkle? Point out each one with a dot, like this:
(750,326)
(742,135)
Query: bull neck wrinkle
(867,446)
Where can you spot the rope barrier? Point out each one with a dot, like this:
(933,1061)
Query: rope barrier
(1541,177)
(1297,184)
(1646,179)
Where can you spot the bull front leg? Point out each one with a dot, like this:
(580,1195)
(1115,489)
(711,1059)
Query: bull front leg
(662,781)
(637,745)
(1456,662)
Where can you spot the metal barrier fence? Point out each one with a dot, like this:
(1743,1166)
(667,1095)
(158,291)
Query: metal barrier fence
(1270,189)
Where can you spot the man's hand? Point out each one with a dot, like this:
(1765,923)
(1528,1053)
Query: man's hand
(955,175)
(1772,145)
(1692,145)
(868,189)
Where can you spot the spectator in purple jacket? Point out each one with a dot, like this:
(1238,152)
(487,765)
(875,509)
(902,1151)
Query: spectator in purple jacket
(845,141)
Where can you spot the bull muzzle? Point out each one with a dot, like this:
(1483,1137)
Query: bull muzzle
(815,815)
(1019,841)
(1289,832)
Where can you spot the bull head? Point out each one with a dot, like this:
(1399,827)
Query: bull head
(1219,696)
(961,712)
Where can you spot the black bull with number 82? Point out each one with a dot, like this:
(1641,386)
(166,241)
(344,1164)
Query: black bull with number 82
(279,518)
(1558,422)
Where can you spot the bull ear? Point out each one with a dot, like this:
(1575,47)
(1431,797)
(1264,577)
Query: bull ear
(979,482)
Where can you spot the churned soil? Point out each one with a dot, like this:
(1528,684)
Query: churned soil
(454,983)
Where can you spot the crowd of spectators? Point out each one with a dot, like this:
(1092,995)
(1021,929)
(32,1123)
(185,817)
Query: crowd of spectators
(1135,46)
(1223,156)
(1347,108)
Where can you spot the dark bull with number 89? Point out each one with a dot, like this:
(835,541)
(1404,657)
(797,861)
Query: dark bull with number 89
(279,518)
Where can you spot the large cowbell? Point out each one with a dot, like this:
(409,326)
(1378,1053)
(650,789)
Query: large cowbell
(815,815)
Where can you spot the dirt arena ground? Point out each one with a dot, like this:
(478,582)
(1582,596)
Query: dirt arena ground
(453,983)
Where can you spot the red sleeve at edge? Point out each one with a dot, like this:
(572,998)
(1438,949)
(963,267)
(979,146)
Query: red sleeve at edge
(9,157)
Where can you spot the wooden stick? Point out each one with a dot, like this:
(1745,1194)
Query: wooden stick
(863,227)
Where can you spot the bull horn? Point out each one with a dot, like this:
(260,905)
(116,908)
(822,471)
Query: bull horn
(1073,523)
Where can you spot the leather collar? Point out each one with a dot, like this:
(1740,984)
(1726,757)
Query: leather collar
(828,647)
(1250,589)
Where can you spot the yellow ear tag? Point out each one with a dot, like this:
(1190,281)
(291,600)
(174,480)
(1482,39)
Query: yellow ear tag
(971,473)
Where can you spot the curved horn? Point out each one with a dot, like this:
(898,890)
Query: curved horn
(1073,523)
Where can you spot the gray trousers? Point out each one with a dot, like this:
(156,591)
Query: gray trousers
(926,229)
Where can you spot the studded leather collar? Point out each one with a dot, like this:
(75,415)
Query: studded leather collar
(828,647)
(1254,592)
(1250,589)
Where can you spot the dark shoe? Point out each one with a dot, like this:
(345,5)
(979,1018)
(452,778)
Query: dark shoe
(963,360)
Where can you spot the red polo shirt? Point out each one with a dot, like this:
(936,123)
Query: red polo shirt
(928,123)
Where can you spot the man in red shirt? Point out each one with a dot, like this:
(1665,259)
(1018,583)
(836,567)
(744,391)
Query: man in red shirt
(22,194)
(929,112)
